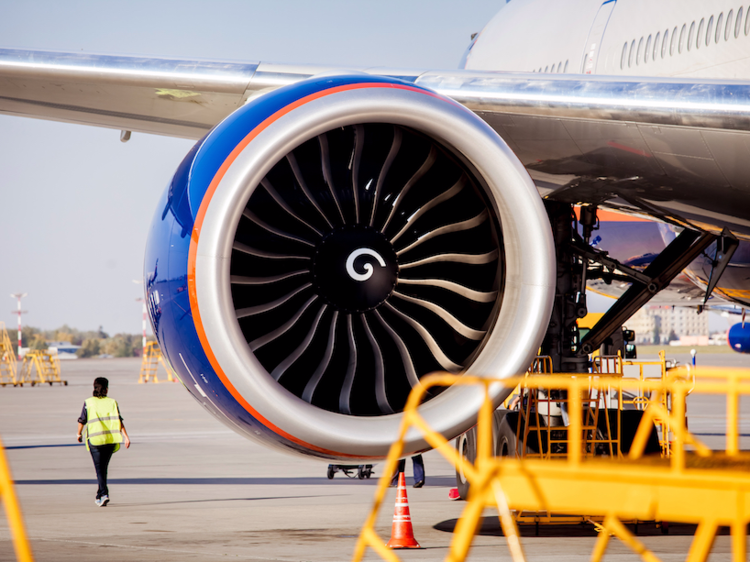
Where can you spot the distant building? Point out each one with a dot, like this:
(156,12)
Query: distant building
(65,349)
(680,323)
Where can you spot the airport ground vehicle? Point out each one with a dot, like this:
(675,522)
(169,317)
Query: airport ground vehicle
(360,471)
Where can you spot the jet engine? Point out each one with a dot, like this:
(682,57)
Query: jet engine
(332,242)
(738,337)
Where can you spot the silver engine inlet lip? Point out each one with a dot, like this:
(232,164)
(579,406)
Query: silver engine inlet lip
(527,243)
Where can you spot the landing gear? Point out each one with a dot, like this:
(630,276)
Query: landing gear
(577,261)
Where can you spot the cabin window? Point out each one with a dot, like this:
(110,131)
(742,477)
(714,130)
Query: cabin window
(738,23)
(656,45)
(728,28)
(699,35)
(546,69)
(683,36)
(665,43)
(565,70)
(709,30)
(640,50)
(747,22)
(691,35)
(632,53)
(673,43)
(719,23)
(647,51)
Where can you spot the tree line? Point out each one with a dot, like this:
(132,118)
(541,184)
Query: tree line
(92,342)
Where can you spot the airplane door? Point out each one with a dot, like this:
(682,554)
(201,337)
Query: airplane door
(594,41)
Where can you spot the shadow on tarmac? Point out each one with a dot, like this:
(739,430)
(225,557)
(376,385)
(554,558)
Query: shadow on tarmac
(44,446)
(490,526)
(273,481)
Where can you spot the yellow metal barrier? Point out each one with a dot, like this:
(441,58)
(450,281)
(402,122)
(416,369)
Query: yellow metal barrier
(13,511)
(41,367)
(152,357)
(699,486)
(8,367)
(642,400)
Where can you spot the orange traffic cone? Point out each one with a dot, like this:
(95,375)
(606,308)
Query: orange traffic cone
(402,533)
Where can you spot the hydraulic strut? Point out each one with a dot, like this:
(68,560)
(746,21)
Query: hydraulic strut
(577,260)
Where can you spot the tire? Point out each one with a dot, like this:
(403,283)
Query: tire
(361,472)
(506,443)
(331,472)
(466,445)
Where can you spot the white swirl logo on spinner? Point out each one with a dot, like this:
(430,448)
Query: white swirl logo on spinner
(367,267)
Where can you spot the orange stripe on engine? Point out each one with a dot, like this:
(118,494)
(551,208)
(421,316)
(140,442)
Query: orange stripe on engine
(192,292)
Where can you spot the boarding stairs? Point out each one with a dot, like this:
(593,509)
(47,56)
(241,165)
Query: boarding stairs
(152,358)
(39,367)
(8,365)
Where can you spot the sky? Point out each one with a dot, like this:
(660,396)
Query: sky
(77,203)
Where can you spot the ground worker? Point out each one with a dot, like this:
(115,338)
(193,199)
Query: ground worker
(418,464)
(104,432)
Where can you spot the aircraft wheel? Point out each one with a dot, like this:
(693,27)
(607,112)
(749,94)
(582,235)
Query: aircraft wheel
(466,444)
(506,440)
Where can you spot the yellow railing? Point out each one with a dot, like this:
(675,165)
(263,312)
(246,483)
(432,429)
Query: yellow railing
(8,368)
(13,511)
(638,487)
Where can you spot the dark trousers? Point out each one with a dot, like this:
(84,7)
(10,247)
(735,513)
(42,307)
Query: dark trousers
(417,464)
(101,455)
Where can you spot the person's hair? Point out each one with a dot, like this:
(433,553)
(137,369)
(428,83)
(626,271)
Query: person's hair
(100,387)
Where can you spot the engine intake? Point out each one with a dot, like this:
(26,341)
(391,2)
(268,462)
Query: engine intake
(347,236)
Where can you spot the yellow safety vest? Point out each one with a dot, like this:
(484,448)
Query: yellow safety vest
(103,422)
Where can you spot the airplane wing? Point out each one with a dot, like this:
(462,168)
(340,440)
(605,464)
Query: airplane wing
(673,149)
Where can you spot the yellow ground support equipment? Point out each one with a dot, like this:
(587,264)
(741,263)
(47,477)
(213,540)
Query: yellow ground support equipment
(152,357)
(695,485)
(13,511)
(8,364)
(538,434)
(41,367)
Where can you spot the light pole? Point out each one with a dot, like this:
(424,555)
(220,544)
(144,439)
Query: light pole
(19,296)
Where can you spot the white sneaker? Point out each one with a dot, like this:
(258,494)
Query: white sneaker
(104,500)
(98,502)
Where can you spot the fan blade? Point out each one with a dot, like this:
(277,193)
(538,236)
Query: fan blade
(312,384)
(451,320)
(448,228)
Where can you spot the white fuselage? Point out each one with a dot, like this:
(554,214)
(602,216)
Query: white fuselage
(685,38)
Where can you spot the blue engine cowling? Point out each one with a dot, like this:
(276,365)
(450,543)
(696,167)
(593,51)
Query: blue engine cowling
(333,241)
(739,337)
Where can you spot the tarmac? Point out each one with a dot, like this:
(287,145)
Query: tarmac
(190,489)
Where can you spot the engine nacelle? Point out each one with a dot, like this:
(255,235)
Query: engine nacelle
(333,241)
(738,337)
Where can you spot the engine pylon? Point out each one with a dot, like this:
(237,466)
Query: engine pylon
(402,533)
